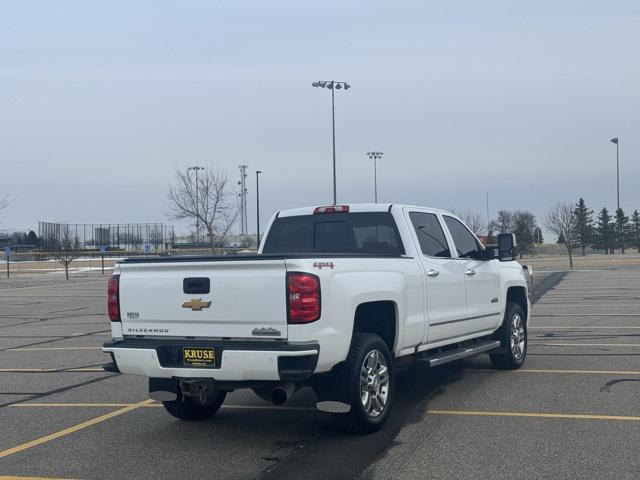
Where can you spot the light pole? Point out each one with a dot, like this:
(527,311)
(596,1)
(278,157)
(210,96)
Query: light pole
(258,172)
(333,85)
(375,156)
(615,140)
(197,168)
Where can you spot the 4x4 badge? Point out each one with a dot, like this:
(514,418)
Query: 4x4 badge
(321,265)
(196,304)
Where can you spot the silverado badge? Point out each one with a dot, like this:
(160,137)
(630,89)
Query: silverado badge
(269,332)
(196,304)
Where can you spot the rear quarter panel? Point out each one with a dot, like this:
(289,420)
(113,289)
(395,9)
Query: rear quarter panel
(351,282)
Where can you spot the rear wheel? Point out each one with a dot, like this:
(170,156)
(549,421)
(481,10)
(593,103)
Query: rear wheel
(191,408)
(371,376)
(513,338)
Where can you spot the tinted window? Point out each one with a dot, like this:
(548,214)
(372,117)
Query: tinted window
(364,233)
(430,234)
(466,244)
(331,237)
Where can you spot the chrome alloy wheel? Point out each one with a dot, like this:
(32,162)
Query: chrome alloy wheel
(517,336)
(374,383)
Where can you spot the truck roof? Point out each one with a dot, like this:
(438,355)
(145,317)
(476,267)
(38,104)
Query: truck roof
(354,208)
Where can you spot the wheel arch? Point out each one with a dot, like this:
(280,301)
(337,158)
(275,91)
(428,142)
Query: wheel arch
(518,294)
(379,317)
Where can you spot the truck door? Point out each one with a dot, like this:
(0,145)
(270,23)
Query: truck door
(445,282)
(482,277)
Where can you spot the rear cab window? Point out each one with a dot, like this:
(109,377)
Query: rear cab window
(364,233)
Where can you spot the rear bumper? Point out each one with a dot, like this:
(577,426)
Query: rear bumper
(236,360)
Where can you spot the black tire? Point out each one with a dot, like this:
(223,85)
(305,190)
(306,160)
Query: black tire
(188,408)
(359,420)
(514,352)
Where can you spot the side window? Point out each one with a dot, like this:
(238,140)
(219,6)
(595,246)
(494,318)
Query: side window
(430,234)
(465,243)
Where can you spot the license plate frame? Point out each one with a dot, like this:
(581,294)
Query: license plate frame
(199,357)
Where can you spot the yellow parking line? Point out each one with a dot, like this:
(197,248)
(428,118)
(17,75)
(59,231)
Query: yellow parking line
(51,348)
(75,428)
(153,405)
(47,370)
(44,405)
(571,416)
(11,477)
(541,370)
(84,369)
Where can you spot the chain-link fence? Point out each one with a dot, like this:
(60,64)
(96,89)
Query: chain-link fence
(91,236)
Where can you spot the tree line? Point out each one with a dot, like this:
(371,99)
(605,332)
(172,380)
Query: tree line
(574,226)
(577,229)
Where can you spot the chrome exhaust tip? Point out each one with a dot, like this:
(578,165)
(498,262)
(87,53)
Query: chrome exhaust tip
(280,394)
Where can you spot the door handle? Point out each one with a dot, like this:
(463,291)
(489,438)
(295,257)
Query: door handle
(433,273)
(470,272)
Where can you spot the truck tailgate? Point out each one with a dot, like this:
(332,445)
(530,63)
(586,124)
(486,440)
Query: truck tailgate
(245,299)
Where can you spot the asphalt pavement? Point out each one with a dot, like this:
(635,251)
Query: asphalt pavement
(571,412)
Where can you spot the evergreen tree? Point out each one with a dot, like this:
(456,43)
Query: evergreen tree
(584,225)
(32,239)
(635,230)
(524,225)
(560,238)
(604,231)
(537,236)
(622,228)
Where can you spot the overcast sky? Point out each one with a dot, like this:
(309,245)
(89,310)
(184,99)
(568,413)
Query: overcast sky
(100,101)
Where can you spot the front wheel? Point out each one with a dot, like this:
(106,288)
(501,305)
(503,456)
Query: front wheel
(371,377)
(513,338)
(191,408)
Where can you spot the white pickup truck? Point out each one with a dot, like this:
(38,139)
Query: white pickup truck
(335,297)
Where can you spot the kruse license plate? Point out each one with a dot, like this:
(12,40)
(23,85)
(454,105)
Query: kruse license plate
(199,357)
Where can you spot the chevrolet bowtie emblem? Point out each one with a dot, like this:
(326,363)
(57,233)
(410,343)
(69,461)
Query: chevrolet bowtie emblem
(196,304)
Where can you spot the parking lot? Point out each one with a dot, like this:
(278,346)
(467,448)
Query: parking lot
(570,412)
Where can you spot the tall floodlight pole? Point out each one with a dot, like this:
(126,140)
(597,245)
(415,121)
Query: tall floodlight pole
(333,85)
(258,172)
(615,140)
(488,219)
(197,168)
(243,199)
(375,156)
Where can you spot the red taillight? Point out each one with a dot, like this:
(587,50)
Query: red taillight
(113,298)
(332,209)
(303,298)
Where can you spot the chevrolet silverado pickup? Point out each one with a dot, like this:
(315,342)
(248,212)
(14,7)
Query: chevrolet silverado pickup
(335,299)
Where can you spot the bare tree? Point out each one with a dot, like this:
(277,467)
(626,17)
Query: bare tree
(4,203)
(65,247)
(504,223)
(474,220)
(561,220)
(211,202)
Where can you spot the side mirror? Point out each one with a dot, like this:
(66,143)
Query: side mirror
(506,247)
